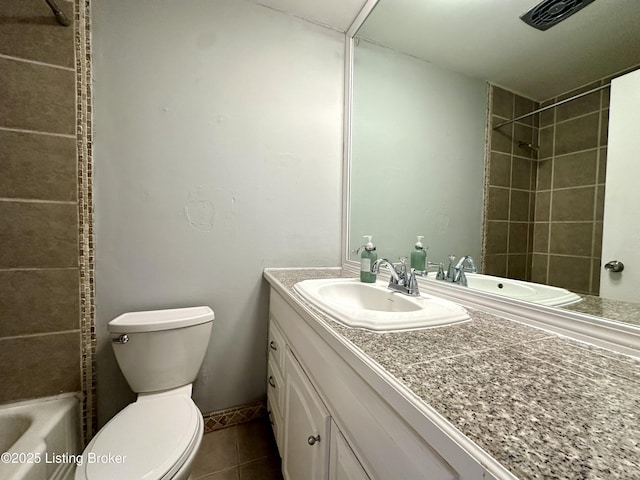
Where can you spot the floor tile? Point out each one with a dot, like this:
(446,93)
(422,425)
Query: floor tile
(231,474)
(255,440)
(218,451)
(265,469)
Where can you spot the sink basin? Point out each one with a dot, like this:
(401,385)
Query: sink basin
(373,306)
(521,290)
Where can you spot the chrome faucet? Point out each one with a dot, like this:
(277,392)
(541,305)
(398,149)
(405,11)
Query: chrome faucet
(401,280)
(456,273)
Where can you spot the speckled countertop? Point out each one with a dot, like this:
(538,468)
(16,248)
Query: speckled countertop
(544,406)
(626,312)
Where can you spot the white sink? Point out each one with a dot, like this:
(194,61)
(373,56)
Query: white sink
(373,306)
(519,289)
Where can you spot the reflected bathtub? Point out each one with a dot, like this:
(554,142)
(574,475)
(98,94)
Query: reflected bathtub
(39,439)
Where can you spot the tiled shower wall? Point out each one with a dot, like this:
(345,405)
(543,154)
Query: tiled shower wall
(545,204)
(567,242)
(45,274)
(510,187)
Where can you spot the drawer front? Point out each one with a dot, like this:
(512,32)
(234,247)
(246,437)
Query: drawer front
(276,345)
(276,424)
(275,387)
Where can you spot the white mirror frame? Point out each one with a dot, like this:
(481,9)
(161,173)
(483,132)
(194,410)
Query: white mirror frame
(616,336)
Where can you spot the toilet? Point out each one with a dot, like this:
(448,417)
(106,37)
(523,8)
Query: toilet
(158,436)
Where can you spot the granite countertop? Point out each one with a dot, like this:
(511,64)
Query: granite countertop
(626,312)
(542,405)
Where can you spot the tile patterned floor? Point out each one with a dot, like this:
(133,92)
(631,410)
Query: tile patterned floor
(242,452)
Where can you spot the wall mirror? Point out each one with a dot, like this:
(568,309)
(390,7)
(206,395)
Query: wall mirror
(430,80)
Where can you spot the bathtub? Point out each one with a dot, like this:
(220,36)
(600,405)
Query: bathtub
(40,439)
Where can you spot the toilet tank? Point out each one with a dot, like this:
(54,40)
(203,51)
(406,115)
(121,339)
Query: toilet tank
(161,349)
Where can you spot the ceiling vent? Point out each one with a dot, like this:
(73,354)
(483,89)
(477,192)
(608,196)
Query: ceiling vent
(546,14)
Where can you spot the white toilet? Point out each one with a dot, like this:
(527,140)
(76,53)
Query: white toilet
(156,437)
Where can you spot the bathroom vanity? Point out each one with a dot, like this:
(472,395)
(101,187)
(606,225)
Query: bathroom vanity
(489,398)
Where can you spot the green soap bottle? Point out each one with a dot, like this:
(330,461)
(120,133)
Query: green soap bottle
(367,259)
(419,256)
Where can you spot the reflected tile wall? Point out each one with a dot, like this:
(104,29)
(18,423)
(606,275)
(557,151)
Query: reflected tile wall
(511,180)
(544,208)
(46,252)
(571,176)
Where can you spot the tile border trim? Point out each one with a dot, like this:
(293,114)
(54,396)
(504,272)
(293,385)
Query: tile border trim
(233,416)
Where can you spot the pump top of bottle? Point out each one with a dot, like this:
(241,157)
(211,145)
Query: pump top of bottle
(368,246)
(419,245)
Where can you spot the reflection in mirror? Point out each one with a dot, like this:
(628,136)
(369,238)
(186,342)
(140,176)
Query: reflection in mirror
(529,196)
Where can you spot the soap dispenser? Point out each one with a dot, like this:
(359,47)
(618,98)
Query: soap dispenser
(367,259)
(419,256)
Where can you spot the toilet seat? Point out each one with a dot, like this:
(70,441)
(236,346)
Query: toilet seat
(154,436)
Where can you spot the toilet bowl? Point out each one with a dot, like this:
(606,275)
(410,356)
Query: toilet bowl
(158,436)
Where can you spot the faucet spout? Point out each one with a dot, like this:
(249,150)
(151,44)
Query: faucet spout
(468,259)
(375,268)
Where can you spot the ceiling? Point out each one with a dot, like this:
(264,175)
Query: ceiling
(338,14)
(486,39)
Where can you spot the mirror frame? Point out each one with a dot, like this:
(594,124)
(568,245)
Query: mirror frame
(613,335)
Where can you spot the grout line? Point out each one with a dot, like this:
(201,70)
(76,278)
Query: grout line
(35,269)
(35,132)
(43,334)
(35,62)
(34,200)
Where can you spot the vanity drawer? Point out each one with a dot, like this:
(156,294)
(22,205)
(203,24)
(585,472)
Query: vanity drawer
(275,387)
(276,424)
(276,345)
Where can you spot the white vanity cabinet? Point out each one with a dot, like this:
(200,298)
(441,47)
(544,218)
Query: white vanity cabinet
(306,427)
(343,463)
(331,424)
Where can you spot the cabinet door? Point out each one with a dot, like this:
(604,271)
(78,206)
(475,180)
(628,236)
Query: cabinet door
(306,427)
(343,464)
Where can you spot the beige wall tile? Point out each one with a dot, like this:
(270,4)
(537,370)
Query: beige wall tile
(527,135)
(577,135)
(576,169)
(542,210)
(500,171)
(545,142)
(596,272)
(495,265)
(498,204)
(38,235)
(604,128)
(502,103)
(572,273)
(571,239)
(519,206)
(29,30)
(580,106)
(38,301)
(523,106)
(541,237)
(38,366)
(517,266)
(597,240)
(37,97)
(521,173)
(602,166)
(496,241)
(539,268)
(36,166)
(518,237)
(501,139)
(573,204)
(544,168)
(548,116)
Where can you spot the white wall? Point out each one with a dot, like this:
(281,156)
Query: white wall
(417,156)
(218,136)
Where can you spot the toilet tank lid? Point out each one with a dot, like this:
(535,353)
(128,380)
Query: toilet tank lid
(155,320)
